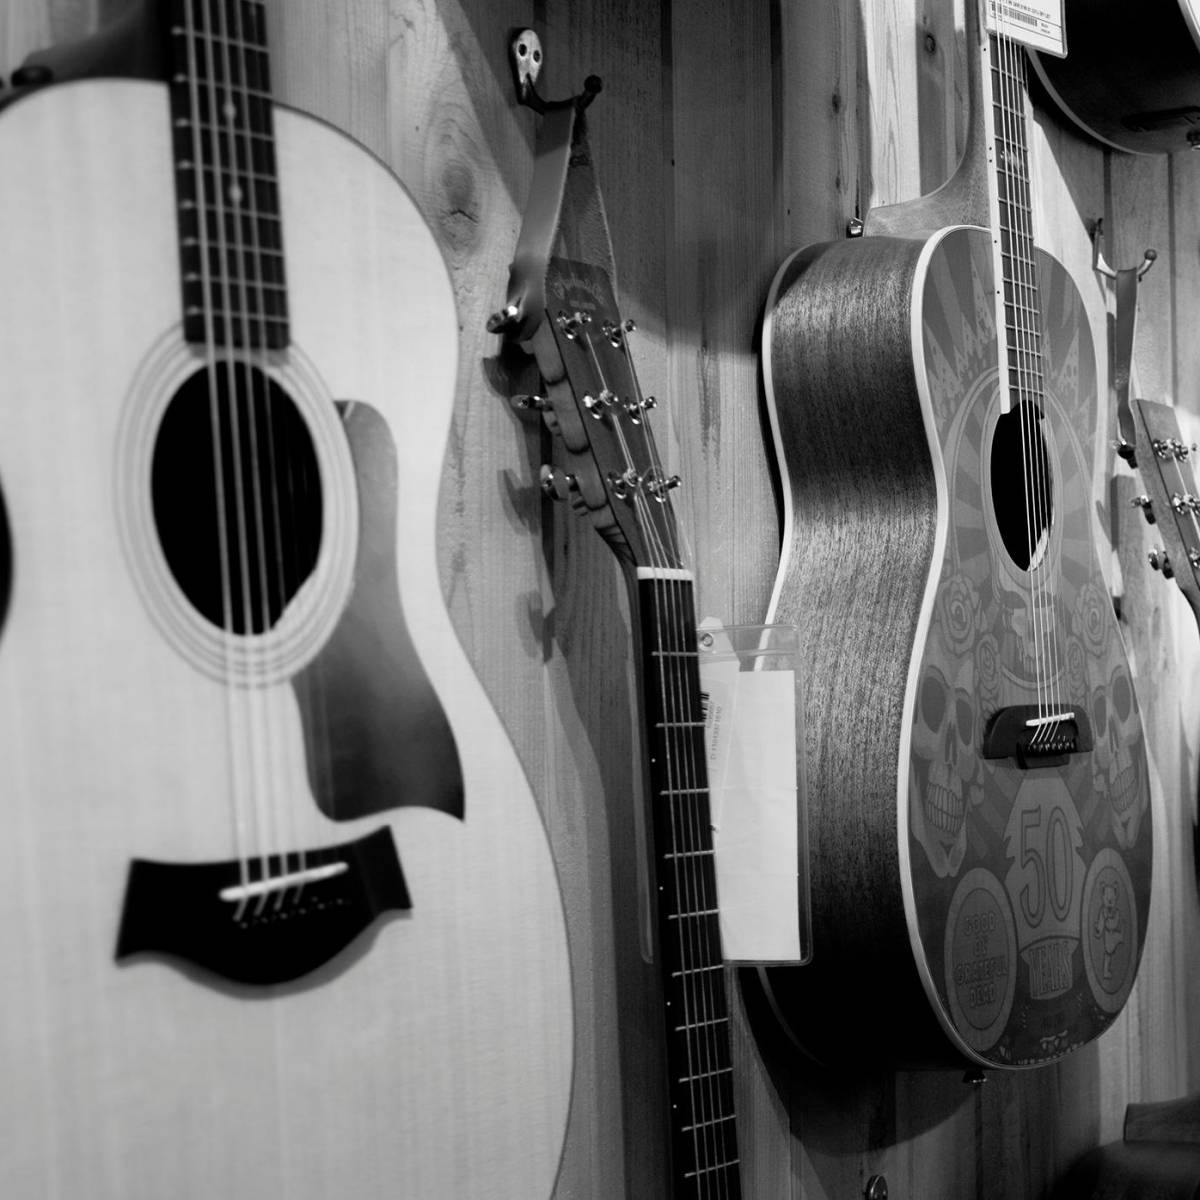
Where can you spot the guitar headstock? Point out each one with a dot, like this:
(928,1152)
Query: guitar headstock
(595,405)
(1170,502)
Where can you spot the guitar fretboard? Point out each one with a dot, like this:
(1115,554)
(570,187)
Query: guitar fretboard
(699,1061)
(1018,268)
(230,235)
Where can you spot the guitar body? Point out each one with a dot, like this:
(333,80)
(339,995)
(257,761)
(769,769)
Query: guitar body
(432,1055)
(1131,78)
(966,908)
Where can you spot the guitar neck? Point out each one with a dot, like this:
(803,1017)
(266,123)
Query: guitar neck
(230,232)
(699,1060)
(1018,307)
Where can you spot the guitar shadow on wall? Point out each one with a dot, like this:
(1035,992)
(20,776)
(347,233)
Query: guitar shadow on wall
(843,1108)
(6,564)
(579,625)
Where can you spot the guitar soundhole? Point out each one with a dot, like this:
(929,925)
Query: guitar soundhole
(240,528)
(1022,486)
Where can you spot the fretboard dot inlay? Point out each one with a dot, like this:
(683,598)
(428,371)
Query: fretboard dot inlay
(230,240)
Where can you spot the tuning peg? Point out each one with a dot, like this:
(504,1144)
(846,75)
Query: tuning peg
(556,484)
(659,487)
(503,320)
(1146,505)
(1160,560)
(571,323)
(526,402)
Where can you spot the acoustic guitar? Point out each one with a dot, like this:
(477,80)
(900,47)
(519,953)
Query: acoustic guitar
(595,406)
(1131,78)
(978,788)
(278,916)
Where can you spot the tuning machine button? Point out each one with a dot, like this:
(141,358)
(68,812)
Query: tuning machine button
(556,484)
(503,320)
(1146,505)
(572,323)
(1160,560)
(525,402)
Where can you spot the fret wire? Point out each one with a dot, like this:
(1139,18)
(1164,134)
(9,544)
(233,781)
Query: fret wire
(265,287)
(230,174)
(256,136)
(226,50)
(1022,335)
(243,89)
(221,39)
(220,313)
(273,218)
(697,985)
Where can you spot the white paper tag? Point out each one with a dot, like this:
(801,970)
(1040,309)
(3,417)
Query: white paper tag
(750,726)
(1037,24)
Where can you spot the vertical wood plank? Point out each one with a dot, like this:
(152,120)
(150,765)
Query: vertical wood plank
(24,26)
(1184,272)
(725,227)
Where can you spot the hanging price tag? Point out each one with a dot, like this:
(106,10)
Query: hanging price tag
(749,688)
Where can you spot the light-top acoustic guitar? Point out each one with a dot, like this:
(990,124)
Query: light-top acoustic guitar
(278,916)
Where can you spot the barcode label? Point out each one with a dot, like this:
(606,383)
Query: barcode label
(1037,24)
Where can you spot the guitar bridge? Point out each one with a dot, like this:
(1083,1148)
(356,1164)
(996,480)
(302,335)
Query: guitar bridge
(1033,737)
(267,921)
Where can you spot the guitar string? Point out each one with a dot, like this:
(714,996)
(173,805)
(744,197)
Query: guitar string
(279,503)
(228,366)
(237,781)
(709,976)
(657,557)
(282,501)
(698,983)
(687,889)
(1043,495)
(1009,276)
(251,396)
(1020,369)
(243,416)
(1043,471)
(1013,162)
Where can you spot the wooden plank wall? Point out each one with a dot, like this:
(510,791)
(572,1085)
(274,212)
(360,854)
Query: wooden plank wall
(726,135)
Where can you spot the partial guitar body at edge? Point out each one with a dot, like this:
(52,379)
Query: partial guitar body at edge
(964,909)
(393,1070)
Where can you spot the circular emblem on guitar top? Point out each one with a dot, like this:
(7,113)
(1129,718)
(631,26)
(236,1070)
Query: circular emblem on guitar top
(981,952)
(1110,930)
(237,505)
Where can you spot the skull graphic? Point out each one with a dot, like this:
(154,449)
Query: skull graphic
(1116,753)
(945,768)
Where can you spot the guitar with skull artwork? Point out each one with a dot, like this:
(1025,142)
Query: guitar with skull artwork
(978,787)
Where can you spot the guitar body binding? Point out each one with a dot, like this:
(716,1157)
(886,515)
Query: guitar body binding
(1005,894)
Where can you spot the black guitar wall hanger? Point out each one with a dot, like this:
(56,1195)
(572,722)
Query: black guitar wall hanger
(526,58)
(561,145)
(1125,288)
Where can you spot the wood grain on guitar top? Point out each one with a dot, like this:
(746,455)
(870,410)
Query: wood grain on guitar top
(1020,895)
(391,1071)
